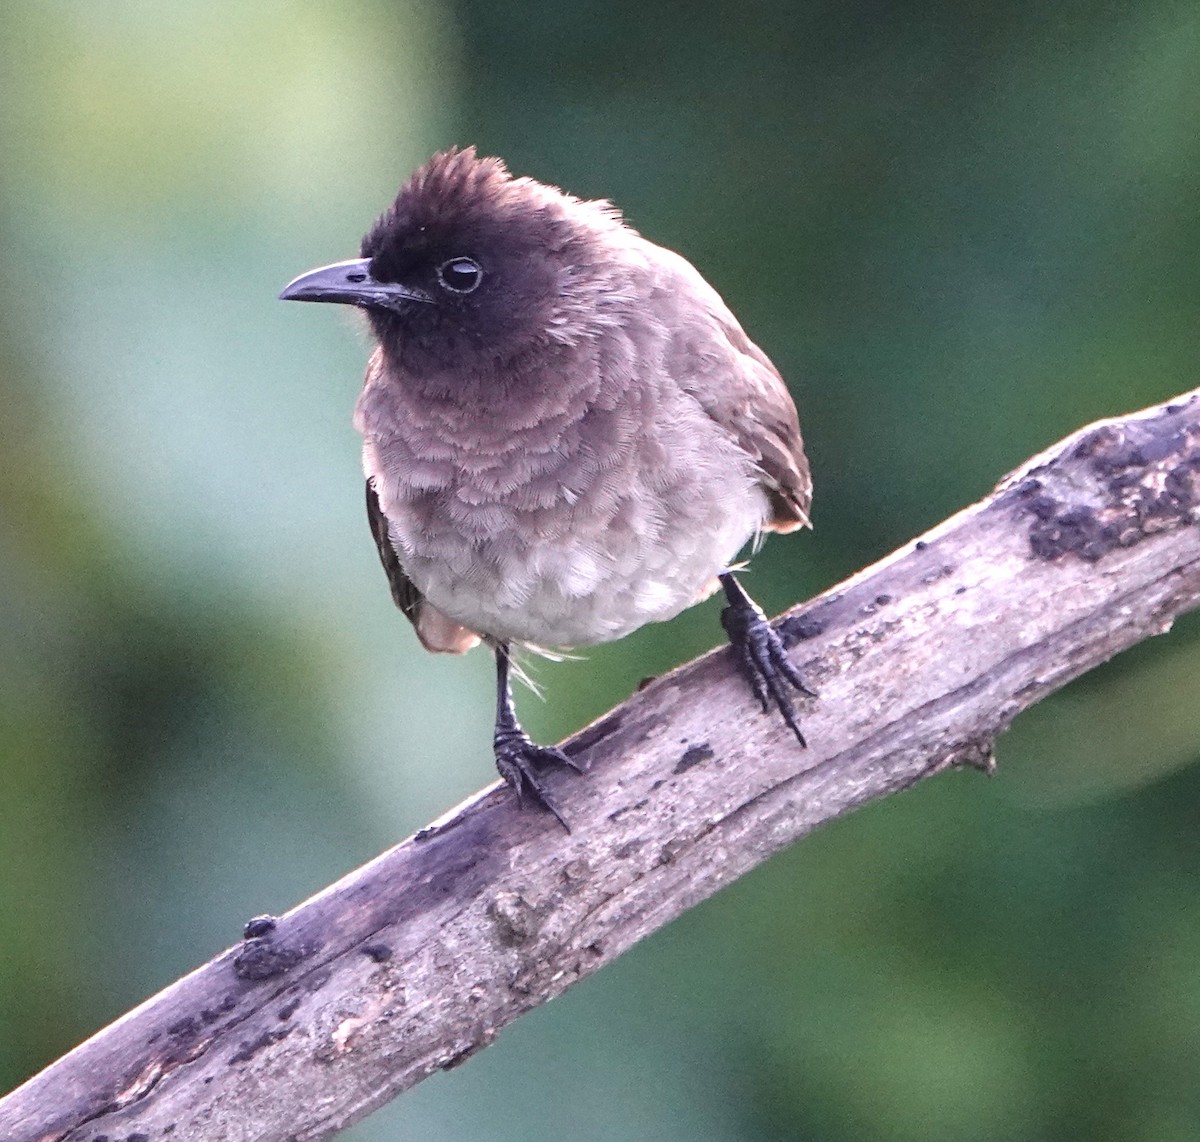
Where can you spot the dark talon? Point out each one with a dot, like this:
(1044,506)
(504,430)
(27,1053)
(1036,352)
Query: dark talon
(760,654)
(518,762)
(518,758)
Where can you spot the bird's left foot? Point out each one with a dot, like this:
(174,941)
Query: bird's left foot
(760,654)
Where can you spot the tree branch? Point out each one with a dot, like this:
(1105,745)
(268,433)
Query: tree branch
(417,960)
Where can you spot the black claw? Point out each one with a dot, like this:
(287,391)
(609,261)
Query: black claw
(760,655)
(519,759)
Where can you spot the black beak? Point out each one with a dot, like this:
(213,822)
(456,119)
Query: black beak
(351,283)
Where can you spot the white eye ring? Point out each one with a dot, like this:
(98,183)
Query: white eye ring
(460,275)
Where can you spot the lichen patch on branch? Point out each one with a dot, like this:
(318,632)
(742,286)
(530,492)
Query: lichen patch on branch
(1115,484)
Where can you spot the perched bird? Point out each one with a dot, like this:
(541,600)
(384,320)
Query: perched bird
(566,432)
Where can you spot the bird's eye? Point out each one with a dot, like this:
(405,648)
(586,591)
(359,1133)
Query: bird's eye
(460,275)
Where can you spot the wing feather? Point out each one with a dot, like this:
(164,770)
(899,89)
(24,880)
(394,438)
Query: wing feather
(736,385)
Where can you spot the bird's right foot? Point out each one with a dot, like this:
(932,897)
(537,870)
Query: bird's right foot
(522,762)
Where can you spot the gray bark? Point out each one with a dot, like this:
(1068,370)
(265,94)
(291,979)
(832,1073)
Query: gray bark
(415,961)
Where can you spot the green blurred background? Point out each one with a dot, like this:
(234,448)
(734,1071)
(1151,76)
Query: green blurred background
(961,231)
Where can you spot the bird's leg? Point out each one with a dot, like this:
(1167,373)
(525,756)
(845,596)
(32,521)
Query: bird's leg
(760,654)
(517,757)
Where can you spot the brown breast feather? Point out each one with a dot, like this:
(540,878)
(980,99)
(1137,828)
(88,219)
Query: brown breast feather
(735,384)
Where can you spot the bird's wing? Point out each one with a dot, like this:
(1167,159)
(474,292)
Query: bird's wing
(436,632)
(761,414)
(734,382)
(404,594)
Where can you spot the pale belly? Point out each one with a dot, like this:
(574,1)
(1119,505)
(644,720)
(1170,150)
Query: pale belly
(571,597)
(588,579)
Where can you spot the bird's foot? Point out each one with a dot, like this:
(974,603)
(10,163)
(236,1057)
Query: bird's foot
(521,762)
(760,654)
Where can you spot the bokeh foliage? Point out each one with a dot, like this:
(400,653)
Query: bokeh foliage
(960,231)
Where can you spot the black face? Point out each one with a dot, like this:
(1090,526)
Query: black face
(468,269)
(487,288)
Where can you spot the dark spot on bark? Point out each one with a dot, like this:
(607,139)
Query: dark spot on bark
(259,926)
(380,953)
(960,590)
(883,600)
(248,1048)
(646,682)
(169,1128)
(262,957)
(656,786)
(1044,507)
(289,1009)
(920,545)
(694,755)
(799,628)
(188,1025)
(625,851)
(1073,530)
(137,1136)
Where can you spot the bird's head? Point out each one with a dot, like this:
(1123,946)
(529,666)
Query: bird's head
(470,267)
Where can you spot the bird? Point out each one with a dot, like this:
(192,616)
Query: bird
(566,433)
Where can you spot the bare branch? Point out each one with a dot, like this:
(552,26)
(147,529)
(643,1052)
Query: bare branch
(417,960)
